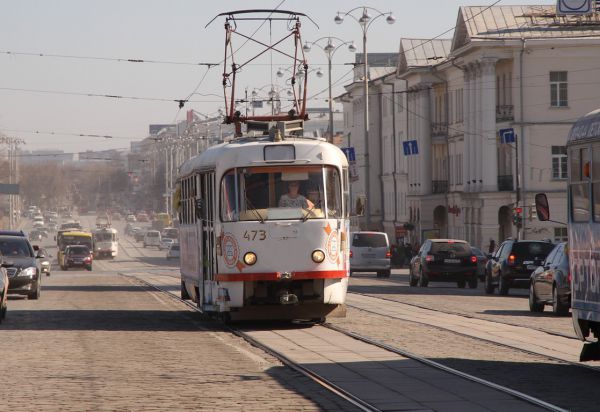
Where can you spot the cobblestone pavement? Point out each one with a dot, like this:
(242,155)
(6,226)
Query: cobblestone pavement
(97,341)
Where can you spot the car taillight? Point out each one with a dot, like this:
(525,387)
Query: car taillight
(473,259)
(388,254)
(511,260)
(429,258)
(351,254)
(569,277)
(87,259)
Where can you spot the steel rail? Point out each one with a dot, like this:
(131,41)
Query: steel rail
(491,341)
(315,377)
(433,364)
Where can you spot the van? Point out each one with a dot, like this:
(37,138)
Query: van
(370,252)
(152,238)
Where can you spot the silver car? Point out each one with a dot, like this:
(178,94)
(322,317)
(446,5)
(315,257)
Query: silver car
(173,252)
(370,252)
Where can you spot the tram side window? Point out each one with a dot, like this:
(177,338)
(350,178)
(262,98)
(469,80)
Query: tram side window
(580,187)
(596,181)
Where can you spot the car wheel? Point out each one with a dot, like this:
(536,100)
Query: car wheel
(503,287)
(36,293)
(461,283)
(558,308)
(423,280)
(534,305)
(184,293)
(412,281)
(473,282)
(386,273)
(489,286)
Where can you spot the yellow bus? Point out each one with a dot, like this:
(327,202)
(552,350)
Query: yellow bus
(65,239)
(163,219)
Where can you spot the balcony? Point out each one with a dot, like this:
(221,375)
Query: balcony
(505,183)
(439,129)
(439,186)
(505,113)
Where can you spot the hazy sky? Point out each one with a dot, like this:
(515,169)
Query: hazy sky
(170,31)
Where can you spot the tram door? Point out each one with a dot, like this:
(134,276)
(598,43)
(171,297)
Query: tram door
(208,263)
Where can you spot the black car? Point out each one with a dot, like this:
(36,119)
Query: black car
(78,256)
(24,273)
(3,290)
(444,260)
(551,283)
(513,262)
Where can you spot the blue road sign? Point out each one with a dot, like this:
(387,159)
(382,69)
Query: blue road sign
(350,154)
(507,135)
(410,147)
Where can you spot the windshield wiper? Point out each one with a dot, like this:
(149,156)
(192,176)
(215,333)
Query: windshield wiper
(256,212)
(308,213)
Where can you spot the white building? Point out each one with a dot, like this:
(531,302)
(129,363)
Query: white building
(520,67)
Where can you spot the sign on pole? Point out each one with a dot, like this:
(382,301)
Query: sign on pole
(507,135)
(352,169)
(410,147)
(9,189)
(574,7)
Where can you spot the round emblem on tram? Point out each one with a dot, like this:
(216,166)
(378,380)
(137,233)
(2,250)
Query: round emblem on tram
(333,247)
(231,250)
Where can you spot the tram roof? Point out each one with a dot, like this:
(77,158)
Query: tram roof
(586,127)
(249,151)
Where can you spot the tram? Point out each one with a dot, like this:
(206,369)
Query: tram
(106,243)
(583,152)
(264,226)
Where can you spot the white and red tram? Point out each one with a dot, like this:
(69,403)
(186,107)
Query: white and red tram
(264,227)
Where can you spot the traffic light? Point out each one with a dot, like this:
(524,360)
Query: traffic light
(517,216)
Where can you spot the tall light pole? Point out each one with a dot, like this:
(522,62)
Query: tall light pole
(365,21)
(330,48)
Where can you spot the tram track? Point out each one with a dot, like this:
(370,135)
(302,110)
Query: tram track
(472,336)
(337,390)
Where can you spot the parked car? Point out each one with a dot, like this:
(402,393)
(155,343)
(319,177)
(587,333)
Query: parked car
(165,243)
(45,263)
(444,260)
(3,290)
(24,273)
(551,283)
(513,262)
(152,238)
(78,256)
(173,252)
(370,252)
(481,262)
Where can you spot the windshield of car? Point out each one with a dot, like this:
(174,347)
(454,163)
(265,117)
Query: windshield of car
(532,249)
(455,248)
(78,250)
(281,193)
(15,247)
(369,240)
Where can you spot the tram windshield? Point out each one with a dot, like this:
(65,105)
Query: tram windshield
(281,192)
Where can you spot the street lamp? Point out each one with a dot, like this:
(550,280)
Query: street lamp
(365,21)
(330,48)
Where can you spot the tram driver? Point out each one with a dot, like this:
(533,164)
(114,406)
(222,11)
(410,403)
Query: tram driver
(293,198)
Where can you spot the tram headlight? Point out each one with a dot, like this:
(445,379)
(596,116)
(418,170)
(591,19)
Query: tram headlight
(318,256)
(250,258)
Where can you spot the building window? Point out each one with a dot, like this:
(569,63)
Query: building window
(558,89)
(559,162)
(560,234)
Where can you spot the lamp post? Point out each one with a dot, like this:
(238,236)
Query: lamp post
(330,48)
(365,21)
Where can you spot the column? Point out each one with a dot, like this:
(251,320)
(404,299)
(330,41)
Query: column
(425,149)
(466,126)
(472,126)
(478,130)
(489,154)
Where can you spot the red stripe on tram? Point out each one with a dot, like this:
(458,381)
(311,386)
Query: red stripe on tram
(316,274)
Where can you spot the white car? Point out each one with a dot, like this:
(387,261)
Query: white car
(165,243)
(173,252)
(152,238)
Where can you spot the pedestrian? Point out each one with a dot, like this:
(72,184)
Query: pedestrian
(492,247)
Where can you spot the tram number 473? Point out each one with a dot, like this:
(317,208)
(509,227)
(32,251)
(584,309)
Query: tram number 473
(255,235)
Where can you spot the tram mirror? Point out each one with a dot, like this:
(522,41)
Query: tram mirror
(541,207)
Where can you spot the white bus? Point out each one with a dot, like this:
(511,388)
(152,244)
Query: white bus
(264,227)
(583,151)
(105,243)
